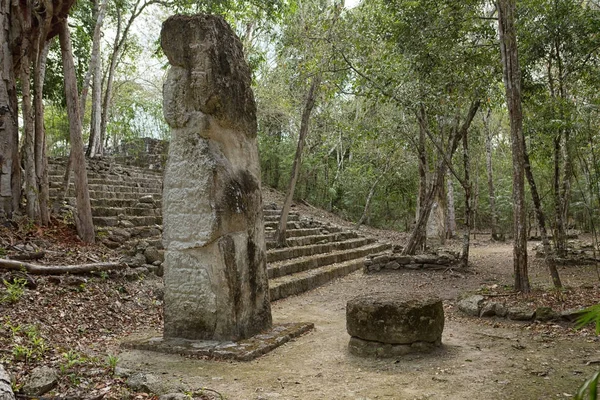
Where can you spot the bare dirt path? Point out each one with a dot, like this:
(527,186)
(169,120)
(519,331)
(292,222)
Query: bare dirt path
(480,358)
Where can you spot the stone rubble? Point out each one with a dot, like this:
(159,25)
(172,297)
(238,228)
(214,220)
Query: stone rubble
(394,260)
(480,306)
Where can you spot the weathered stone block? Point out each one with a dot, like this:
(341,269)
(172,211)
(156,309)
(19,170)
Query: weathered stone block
(392,318)
(215,265)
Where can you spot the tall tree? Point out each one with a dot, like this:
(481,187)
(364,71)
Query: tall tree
(496,235)
(512,84)
(309,105)
(83,220)
(316,59)
(10,178)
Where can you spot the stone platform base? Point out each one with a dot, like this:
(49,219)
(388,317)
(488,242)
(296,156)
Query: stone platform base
(244,350)
(368,348)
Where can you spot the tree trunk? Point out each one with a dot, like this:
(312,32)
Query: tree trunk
(10,185)
(41,160)
(95,56)
(539,213)
(95,143)
(365,213)
(31,185)
(84,222)
(280,235)
(438,179)
(421,237)
(451,225)
(468,207)
(512,84)
(490,178)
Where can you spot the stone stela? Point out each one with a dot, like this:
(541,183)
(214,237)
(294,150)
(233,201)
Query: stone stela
(216,300)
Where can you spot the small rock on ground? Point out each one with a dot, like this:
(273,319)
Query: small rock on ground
(471,305)
(41,381)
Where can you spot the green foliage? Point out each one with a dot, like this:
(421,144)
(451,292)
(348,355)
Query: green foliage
(588,316)
(14,290)
(71,359)
(27,343)
(111,362)
(590,387)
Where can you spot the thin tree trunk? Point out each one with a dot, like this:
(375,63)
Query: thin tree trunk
(468,207)
(41,160)
(558,221)
(95,146)
(109,87)
(490,178)
(438,179)
(539,213)
(421,237)
(9,134)
(365,213)
(451,231)
(31,186)
(84,222)
(94,57)
(95,143)
(512,84)
(309,104)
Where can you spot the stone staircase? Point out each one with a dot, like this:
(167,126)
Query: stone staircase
(126,206)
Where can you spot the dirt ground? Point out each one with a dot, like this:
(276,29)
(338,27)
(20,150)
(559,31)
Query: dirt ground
(75,325)
(480,358)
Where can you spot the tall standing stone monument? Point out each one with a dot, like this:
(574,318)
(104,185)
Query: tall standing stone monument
(215,265)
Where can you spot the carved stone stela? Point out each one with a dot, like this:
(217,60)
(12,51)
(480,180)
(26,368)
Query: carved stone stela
(215,265)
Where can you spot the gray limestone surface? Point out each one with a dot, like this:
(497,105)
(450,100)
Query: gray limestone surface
(6,392)
(215,265)
(394,319)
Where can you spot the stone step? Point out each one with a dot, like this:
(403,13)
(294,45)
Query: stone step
(116,187)
(291,285)
(117,195)
(315,239)
(293,233)
(129,211)
(97,193)
(121,203)
(270,211)
(275,218)
(144,221)
(112,178)
(293,266)
(290,253)
(290,225)
(57,167)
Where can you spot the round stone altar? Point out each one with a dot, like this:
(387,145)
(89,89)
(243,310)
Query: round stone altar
(391,324)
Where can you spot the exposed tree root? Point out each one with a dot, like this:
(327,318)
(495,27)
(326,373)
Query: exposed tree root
(59,269)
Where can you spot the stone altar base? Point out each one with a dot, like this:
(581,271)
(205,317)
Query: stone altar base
(393,324)
(243,350)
